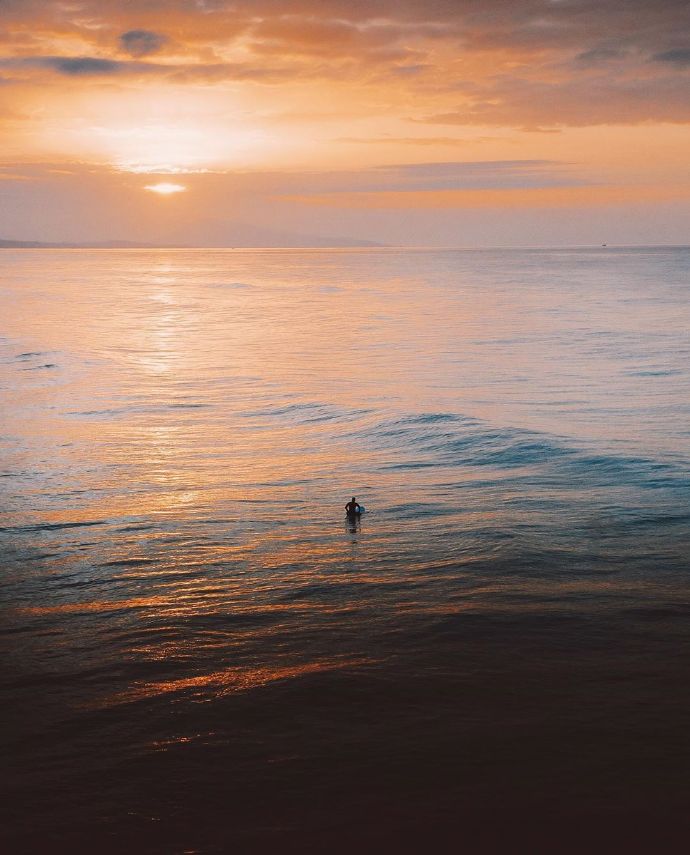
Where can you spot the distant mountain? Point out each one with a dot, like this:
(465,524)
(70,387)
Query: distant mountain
(208,234)
(38,244)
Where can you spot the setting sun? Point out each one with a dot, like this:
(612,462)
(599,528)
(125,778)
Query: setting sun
(165,188)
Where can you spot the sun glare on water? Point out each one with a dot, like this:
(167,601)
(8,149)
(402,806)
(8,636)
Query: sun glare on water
(164,188)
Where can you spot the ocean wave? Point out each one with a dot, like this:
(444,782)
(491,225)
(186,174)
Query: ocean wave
(446,439)
(304,412)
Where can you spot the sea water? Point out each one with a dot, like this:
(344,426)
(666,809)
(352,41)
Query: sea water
(201,652)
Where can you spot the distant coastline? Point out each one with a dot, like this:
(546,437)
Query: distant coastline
(128,244)
(37,244)
(333,243)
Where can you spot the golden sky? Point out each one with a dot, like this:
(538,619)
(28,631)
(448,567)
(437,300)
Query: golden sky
(461,122)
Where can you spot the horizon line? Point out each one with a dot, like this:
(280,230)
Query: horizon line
(97,247)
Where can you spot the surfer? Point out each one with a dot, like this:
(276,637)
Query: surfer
(352,508)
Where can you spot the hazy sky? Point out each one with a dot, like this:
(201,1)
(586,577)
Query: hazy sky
(459,122)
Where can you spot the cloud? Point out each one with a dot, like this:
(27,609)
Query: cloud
(455,175)
(450,176)
(414,141)
(292,35)
(575,102)
(411,70)
(676,56)
(87,66)
(141,42)
(528,64)
(518,198)
(6,175)
(598,55)
(421,178)
(78,66)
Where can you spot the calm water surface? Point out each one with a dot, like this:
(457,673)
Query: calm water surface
(201,655)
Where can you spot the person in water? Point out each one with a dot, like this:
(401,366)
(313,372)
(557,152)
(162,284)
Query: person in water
(352,508)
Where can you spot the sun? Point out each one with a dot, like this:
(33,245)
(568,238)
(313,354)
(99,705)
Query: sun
(164,188)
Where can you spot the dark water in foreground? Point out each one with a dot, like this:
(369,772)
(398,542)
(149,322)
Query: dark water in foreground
(200,655)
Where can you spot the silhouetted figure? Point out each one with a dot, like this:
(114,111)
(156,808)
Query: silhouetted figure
(352,509)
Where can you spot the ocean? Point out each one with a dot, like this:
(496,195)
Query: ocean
(201,653)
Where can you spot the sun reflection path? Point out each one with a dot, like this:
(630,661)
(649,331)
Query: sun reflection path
(231,680)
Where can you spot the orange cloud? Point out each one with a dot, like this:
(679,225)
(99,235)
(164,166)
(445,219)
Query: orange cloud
(532,197)
(530,64)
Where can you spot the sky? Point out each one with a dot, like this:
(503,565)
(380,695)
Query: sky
(414,122)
